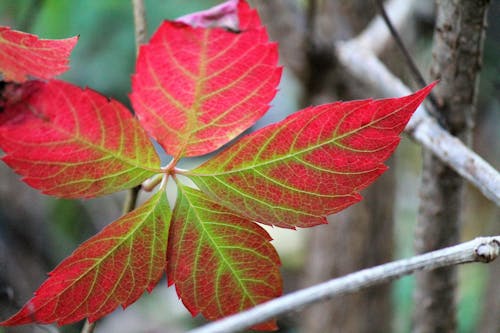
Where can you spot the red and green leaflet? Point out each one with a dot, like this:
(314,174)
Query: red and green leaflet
(74,143)
(196,87)
(23,55)
(220,262)
(314,163)
(112,268)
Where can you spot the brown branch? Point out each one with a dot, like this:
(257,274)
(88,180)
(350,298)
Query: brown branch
(457,54)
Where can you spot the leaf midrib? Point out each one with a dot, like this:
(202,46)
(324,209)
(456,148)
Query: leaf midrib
(294,154)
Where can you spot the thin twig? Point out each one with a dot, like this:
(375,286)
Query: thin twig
(357,57)
(422,127)
(397,38)
(140,23)
(417,75)
(483,249)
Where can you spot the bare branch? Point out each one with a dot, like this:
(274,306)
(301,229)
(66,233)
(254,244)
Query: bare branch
(483,249)
(140,25)
(376,36)
(423,128)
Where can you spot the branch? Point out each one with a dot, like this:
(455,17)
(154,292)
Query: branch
(376,36)
(423,128)
(482,249)
(139,23)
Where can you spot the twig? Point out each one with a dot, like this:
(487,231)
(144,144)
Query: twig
(376,36)
(356,56)
(483,249)
(140,24)
(413,67)
(417,75)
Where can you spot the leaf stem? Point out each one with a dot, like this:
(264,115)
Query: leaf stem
(151,183)
(88,327)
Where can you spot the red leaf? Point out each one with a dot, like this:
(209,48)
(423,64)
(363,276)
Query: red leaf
(70,142)
(23,55)
(220,263)
(112,268)
(314,163)
(195,89)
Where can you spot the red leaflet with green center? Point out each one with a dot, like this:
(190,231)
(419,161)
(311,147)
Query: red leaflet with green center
(112,268)
(314,163)
(196,88)
(23,54)
(220,263)
(70,142)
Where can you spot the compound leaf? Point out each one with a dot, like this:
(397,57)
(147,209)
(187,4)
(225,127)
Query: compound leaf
(112,268)
(72,142)
(23,55)
(313,163)
(219,262)
(197,88)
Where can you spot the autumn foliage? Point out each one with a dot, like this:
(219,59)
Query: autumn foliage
(197,86)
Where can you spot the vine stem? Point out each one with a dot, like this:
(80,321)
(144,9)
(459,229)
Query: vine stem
(481,249)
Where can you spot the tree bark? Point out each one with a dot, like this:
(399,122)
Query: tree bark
(457,53)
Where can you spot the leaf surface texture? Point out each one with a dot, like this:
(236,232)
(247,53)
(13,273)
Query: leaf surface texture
(219,262)
(314,163)
(23,55)
(72,142)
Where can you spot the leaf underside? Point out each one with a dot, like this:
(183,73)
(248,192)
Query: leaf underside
(73,143)
(23,55)
(112,268)
(196,88)
(219,262)
(312,164)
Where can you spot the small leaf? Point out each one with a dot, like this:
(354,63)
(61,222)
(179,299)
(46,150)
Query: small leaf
(220,263)
(70,142)
(23,55)
(112,268)
(312,164)
(196,88)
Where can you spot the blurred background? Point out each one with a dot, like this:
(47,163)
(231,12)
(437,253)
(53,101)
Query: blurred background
(37,231)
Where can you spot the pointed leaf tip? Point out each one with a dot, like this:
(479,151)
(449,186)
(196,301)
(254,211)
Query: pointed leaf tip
(112,268)
(312,164)
(24,55)
(195,89)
